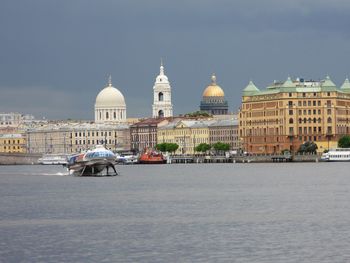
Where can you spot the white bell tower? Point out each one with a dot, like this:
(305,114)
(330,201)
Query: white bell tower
(162,106)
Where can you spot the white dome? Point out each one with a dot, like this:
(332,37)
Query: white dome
(110,97)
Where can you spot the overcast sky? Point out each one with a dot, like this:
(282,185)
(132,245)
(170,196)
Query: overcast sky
(56,55)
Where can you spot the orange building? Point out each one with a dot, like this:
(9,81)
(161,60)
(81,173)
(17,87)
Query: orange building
(285,115)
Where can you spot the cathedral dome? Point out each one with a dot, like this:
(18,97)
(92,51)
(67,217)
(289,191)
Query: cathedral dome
(213,90)
(110,97)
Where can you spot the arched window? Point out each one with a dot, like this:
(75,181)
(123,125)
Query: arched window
(107,115)
(300,120)
(314,120)
(329,120)
(291,120)
(319,120)
(114,115)
(309,120)
(160,96)
(304,120)
(160,114)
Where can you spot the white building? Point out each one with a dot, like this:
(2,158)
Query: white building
(110,105)
(162,106)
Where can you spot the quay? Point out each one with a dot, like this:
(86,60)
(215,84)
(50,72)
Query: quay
(242,159)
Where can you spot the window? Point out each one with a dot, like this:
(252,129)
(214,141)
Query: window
(304,103)
(318,103)
(290,94)
(290,112)
(299,103)
(328,94)
(314,103)
(160,96)
(304,94)
(290,120)
(309,103)
(329,120)
(329,111)
(107,115)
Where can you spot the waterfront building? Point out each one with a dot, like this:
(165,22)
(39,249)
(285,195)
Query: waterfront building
(76,137)
(12,143)
(225,131)
(162,106)
(110,105)
(286,114)
(186,133)
(143,134)
(213,101)
(10,119)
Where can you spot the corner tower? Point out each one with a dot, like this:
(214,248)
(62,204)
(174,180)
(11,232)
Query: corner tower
(162,106)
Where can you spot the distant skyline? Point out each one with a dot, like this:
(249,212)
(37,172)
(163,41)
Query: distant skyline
(56,56)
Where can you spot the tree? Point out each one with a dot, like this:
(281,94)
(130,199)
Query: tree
(221,147)
(308,147)
(172,147)
(161,147)
(344,142)
(167,147)
(203,147)
(198,114)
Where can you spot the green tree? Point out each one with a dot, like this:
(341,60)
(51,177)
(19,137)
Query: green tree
(344,142)
(308,147)
(198,114)
(161,147)
(172,147)
(221,147)
(203,147)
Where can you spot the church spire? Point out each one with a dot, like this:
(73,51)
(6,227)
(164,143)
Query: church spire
(161,67)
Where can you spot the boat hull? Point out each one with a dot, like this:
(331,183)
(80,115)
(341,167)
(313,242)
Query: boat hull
(92,168)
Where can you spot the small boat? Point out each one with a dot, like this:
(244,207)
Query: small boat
(92,162)
(53,159)
(336,155)
(127,158)
(152,157)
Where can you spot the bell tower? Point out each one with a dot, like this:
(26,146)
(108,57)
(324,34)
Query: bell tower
(162,106)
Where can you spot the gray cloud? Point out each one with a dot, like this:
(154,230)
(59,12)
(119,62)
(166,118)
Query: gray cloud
(72,46)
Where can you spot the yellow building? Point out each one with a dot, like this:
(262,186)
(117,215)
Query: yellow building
(186,133)
(285,115)
(12,143)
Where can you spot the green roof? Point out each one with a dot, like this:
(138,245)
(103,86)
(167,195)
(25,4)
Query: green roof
(296,86)
(288,83)
(346,85)
(251,89)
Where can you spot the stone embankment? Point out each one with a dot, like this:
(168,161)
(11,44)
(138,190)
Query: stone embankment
(243,159)
(18,158)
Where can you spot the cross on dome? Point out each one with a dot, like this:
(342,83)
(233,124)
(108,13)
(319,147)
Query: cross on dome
(110,81)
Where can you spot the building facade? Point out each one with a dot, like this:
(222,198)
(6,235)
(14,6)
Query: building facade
(162,106)
(286,115)
(225,131)
(67,138)
(213,99)
(186,133)
(143,134)
(13,143)
(110,105)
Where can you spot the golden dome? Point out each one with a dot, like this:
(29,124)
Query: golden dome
(213,90)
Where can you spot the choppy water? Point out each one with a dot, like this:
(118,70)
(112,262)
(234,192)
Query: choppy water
(177,213)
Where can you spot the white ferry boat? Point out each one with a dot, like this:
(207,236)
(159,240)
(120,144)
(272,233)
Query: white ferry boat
(53,159)
(337,155)
(92,162)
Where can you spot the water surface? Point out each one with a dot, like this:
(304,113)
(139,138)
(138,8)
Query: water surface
(290,212)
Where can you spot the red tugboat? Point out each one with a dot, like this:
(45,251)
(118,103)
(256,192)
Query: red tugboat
(152,157)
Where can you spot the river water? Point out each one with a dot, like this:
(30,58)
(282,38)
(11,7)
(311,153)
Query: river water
(285,212)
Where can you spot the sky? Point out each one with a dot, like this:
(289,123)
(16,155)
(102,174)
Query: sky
(56,55)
